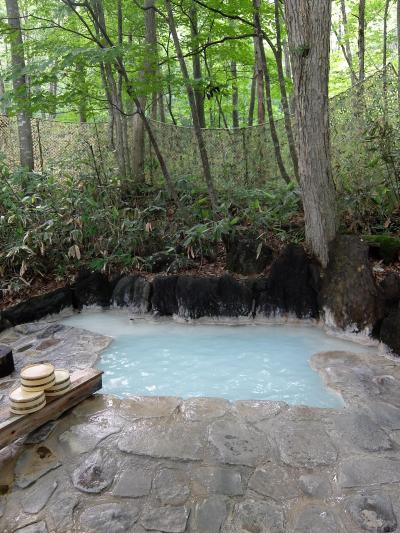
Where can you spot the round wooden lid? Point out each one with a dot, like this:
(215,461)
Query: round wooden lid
(37,371)
(62,375)
(19,395)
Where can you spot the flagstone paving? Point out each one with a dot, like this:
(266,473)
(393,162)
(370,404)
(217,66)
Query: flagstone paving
(205,465)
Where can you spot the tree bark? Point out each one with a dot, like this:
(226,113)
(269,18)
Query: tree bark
(308,23)
(196,63)
(252,99)
(265,70)
(361,41)
(235,95)
(192,104)
(20,86)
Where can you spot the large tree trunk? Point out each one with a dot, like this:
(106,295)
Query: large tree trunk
(192,104)
(197,75)
(361,41)
(235,95)
(20,86)
(308,23)
(265,70)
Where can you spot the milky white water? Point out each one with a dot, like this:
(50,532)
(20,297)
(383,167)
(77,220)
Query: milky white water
(166,358)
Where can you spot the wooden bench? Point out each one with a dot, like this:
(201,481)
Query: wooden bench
(83,384)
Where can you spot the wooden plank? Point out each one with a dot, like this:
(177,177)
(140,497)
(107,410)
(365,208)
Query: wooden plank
(83,384)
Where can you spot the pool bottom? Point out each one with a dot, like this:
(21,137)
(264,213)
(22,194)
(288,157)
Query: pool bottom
(247,362)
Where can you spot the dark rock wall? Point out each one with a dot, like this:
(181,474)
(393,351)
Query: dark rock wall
(295,287)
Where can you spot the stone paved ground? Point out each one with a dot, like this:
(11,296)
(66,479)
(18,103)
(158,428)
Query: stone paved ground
(205,465)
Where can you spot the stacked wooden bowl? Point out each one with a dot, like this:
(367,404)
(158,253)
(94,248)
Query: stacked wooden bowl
(62,383)
(37,382)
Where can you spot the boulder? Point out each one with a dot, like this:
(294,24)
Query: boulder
(38,307)
(213,297)
(291,288)
(350,297)
(390,330)
(91,288)
(133,292)
(246,254)
(163,300)
(390,287)
(384,247)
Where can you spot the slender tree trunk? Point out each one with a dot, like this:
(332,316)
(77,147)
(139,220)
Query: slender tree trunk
(149,71)
(259,83)
(192,104)
(348,55)
(252,99)
(308,23)
(265,70)
(3,107)
(284,97)
(235,95)
(196,62)
(385,53)
(398,51)
(361,41)
(81,84)
(161,106)
(53,86)
(20,86)
(288,73)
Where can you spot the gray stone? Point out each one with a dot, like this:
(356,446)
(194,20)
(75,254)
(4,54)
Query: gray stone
(361,431)
(166,519)
(156,439)
(385,414)
(41,434)
(37,527)
(372,512)
(255,411)
(35,498)
(85,437)
(109,518)
(304,444)
(148,407)
(197,409)
(316,486)
(171,486)
(365,471)
(133,483)
(315,519)
(210,515)
(256,516)
(217,480)
(61,508)
(275,482)
(2,506)
(96,472)
(238,443)
(33,464)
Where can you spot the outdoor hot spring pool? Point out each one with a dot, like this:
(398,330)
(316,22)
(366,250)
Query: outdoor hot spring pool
(246,362)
